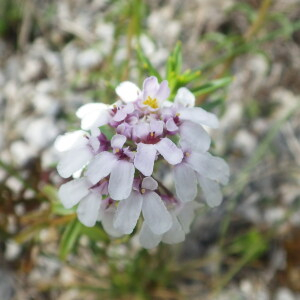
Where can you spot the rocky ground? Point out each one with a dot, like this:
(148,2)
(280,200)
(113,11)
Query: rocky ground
(64,51)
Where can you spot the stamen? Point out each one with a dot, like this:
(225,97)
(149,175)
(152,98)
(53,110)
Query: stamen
(143,191)
(117,150)
(177,115)
(152,102)
(187,154)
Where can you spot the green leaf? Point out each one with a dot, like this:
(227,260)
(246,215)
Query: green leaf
(95,233)
(146,64)
(211,86)
(69,238)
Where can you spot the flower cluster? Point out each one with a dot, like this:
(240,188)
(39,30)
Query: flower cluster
(114,181)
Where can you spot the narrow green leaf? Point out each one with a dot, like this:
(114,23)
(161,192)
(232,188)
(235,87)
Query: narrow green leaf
(69,238)
(211,86)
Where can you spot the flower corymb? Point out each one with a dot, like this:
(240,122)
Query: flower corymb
(116,176)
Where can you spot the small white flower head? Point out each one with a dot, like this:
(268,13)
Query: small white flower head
(116,184)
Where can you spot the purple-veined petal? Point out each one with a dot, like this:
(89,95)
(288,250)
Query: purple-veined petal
(185,182)
(149,183)
(86,109)
(214,168)
(195,136)
(150,86)
(144,158)
(175,235)
(118,141)
(141,130)
(157,126)
(163,91)
(147,238)
(200,116)
(170,152)
(128,91)
(128,213)
(187,214)
(129,108)
(71,140)
(73,160)
(100,166)
(121,180)
(88,209)
(155,213)
(73,191)
(211,191)
(171,125)
(185,97)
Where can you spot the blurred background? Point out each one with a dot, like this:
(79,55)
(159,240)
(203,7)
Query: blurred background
(56,55)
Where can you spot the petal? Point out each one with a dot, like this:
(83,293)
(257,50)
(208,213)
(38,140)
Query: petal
(170,152)
(163,92)
(214,168)
(155,213)
(150,87)
(73,161)
(88,209)
(171,125)
(147,238)
(121,180)
(128,213)
(89,108)
(128,91)
(129,108)
(107,219)
(149,183)
(95,118)
(118,141)
(175,234)
(100,166)
(71,140)
(120,115)
(195,136)
(185,97)
(157,127)
(200,116)
(185,182)
(144,158)
(187,214)
(141,130)
(211,191)
(73,191)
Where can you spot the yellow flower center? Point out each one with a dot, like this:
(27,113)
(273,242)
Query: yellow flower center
(152,102)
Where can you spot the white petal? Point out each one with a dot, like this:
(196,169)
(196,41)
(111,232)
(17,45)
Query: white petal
(163,92)
(95,143)
(70,140)
(118,141)
(157,126)
(121,180)
(185,97)
(185,182)
(211,191)
(127,91)
(73,191)
(147,238)
(200,116)
(150,87)
(171,125)
(187,214)
(144,158)
(107,219)
(100,166)
(149,183)
(128,213)
(94,119)
(155,213)
(214,168)
(170,152)
(88,209)
(73,161)
(89,108)
(175,234)
(195,136)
